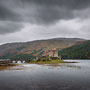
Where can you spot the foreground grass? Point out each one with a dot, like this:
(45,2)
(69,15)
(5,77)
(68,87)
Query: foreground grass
(4,66)
(49,62)
(4,63)
(9,64)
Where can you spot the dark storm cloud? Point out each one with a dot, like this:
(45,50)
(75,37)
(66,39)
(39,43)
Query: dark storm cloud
(44,12)
(8,14)
(8,20)
(61,4)
(51,11)
(8,27)
(71,4)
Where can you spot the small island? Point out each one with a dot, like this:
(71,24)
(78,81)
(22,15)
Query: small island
(50,57)
(52,60)
(46,61)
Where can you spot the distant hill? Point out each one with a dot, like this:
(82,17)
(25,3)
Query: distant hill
(37,47)
(77,51)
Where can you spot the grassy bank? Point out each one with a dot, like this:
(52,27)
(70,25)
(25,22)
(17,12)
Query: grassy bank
(48,62)
(4,66)
(8,64)
(5,63)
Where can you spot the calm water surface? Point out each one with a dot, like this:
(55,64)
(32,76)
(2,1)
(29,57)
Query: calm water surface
(70,76)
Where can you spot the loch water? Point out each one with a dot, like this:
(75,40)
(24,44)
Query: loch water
(64,76)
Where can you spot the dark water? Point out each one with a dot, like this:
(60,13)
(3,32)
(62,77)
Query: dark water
(70,76)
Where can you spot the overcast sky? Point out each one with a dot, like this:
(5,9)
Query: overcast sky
(27,20)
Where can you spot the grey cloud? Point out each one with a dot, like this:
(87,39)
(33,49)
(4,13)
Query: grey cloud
(50,11)
(44,12)
(7,14)
(8,19)
(73,4)
(9,27)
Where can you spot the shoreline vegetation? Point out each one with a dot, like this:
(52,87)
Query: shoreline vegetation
(57,61)
(48,60)
(8,64)
(5,65)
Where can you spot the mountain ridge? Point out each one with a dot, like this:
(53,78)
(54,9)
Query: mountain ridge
(37,47)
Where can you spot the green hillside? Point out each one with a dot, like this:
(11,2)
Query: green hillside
(35,48)
(81,51)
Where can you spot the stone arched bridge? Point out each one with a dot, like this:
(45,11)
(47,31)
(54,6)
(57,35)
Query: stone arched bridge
(13,61)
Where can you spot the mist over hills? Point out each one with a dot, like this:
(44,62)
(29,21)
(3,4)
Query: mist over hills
(37,47)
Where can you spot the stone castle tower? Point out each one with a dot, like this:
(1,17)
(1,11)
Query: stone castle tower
(53,52)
